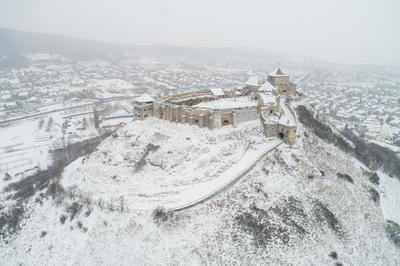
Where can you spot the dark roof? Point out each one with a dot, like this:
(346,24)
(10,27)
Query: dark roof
(277,72)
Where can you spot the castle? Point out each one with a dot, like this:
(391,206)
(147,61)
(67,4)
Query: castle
(215,108)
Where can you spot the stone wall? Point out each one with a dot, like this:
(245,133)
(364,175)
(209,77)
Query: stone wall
(204,117)
(286,89)
(288,134)
(246,114)
(143,111)
(271,130)
(278,80)
(283,84)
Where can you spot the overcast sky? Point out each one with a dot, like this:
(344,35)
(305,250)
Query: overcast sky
(349,31)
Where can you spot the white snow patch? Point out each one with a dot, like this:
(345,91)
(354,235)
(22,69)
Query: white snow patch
(390,197)
(229,103)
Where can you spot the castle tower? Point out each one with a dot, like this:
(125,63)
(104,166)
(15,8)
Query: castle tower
(281,81)
(143,106)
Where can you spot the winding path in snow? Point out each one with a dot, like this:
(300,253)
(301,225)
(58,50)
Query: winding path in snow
(210,189)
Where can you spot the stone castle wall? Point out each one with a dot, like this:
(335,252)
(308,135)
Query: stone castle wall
(247,114)
(284,132)
(142,111)
(271,129)
(203,117)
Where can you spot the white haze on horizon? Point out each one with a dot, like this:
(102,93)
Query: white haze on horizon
(352,31)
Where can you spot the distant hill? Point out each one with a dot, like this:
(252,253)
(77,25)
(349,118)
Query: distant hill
(15,45)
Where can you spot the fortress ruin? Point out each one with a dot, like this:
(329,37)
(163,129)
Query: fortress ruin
(214,108)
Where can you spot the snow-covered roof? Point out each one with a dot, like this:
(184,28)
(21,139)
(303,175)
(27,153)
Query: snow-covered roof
(145,98)
(267,87)
(277,72)
(228,103)
(267,98)
(217,92)
(254,81)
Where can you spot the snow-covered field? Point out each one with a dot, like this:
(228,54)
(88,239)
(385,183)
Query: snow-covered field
(24,145)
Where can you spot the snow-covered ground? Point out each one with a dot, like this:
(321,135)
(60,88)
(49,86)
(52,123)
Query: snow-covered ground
(389,192)
(390,197)
(156,162)
(229,103)
(291,209)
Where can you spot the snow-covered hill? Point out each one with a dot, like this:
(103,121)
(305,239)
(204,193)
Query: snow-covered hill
(306,204)
(155,162)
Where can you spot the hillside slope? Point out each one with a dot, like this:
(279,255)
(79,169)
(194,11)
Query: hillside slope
(155,162)
(307,204)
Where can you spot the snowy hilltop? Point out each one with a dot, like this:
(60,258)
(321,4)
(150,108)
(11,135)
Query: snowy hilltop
(247,200)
